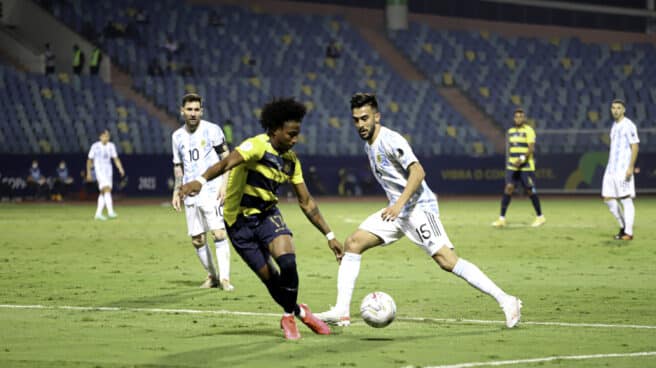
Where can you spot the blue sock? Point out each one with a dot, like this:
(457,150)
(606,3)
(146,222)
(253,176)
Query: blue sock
(536,204)
(288,283)
(505,202)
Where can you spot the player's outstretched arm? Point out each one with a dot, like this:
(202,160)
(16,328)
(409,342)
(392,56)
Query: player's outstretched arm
(311,211)
(193,187)
(223,185)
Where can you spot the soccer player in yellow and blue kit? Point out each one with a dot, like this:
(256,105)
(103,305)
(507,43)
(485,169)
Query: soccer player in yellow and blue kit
(254,224)
(520,168)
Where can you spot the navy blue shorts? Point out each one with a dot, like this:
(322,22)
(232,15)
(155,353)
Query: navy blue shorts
(525,178)
(251,236)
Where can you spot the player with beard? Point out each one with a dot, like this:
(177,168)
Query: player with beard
(412,211)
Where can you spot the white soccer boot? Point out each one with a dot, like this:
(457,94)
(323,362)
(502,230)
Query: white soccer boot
(512,309)
(539,221)
(334,316)
(225,285)
(500,222)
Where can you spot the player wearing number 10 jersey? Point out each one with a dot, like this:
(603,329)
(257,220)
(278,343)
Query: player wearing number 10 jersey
(412,211)
(198,145)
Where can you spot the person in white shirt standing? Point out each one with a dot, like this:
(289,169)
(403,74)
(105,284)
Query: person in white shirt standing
(100,158)
(618,186)
(198,145)
(412,211)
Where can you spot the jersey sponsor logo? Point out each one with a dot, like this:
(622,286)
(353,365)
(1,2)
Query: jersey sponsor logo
(246,146)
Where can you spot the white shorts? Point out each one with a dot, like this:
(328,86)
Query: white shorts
(422,227)
(104,181)
(617,187)
(204,217)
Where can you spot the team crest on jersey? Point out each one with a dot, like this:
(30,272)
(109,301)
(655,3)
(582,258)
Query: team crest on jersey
(287,168)
(379,158)
(202,143)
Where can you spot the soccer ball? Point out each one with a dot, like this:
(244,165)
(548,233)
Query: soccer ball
(378,309)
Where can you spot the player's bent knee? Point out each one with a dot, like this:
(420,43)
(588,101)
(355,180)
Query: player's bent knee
(446,258)
(352,245)
(219,234)
(198,241)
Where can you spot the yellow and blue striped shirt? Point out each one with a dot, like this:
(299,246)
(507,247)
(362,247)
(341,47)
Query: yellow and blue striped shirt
(253,185)
(518,140)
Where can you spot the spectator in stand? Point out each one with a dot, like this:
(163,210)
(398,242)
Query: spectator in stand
(96,58)
(78,60)
(49,60)
(332,50)
(171,46)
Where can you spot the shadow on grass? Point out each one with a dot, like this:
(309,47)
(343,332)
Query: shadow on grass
(150,301)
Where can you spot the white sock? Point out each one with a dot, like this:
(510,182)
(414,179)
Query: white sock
(109,203)
(614,208)
(101,204)
(346,277)
(629,215)
(476,278)
(205,257)
(223,258)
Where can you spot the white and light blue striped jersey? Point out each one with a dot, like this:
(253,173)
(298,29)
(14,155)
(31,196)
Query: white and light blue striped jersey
(622,135)
(195,151)
(102,155)
(389,156)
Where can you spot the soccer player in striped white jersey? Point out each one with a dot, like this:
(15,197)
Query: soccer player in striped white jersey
(618,186)
(412,211)
(198,145)
(100,158)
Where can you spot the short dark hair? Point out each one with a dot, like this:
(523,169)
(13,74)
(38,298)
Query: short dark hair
(281,110)
(361,99)
(519,110)
(618,101)
(192,97)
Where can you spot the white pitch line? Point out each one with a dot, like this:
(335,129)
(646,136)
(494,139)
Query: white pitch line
(560,324)
(541,360)
(261,314)
(129,309)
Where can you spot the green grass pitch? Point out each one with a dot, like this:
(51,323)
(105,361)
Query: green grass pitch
(80,293)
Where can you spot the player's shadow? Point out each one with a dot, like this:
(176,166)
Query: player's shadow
(612,243)
(186,283)
(377,339)
(246,331)
(158,299)
(270,344)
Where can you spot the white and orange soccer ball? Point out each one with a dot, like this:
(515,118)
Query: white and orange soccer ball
(378,309)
